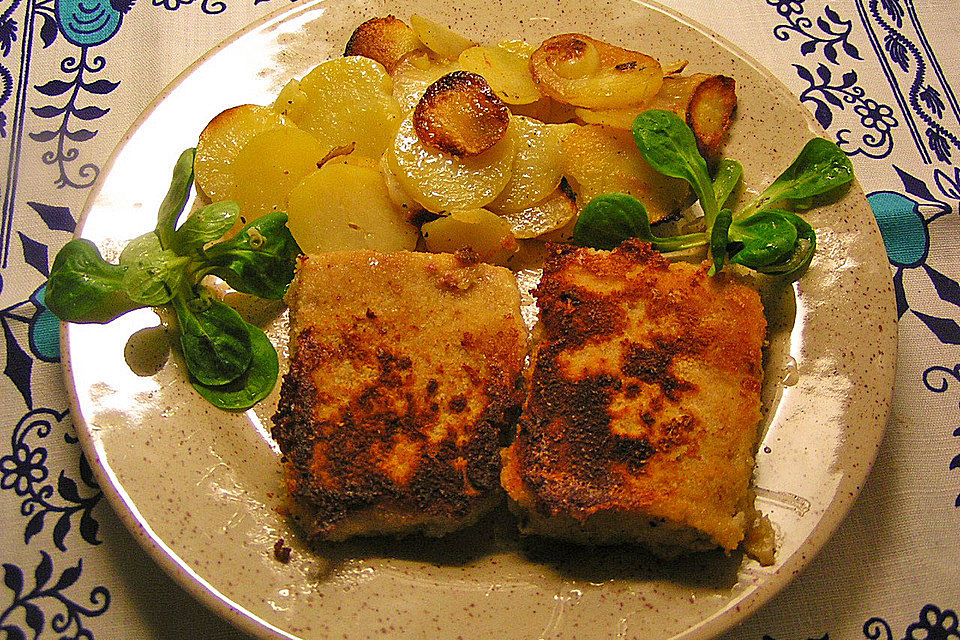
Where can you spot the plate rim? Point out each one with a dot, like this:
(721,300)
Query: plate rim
(845,495)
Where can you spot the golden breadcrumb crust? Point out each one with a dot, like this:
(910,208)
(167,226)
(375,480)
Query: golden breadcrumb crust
(640,422)
(405,371)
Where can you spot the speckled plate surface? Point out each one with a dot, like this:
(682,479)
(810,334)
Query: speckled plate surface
(200,488)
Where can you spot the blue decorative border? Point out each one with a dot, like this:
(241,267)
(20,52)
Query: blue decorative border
(905,64)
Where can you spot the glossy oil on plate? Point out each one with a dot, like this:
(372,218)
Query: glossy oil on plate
(201,488)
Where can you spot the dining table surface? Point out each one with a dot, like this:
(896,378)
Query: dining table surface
(878,77)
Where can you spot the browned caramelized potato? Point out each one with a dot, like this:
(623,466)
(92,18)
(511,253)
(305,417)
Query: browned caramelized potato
(578,70)
(710,112)
(386,40)
(460,114)
(706,103)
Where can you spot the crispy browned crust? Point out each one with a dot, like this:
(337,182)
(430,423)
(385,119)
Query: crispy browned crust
(382,436)
(460,114)
(644,397)
(387,40)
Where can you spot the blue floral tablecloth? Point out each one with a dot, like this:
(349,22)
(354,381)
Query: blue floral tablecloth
(877,74)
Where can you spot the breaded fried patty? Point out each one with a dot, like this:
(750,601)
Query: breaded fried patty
(640,423)
(405,371)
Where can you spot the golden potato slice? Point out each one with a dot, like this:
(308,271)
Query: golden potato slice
(350,101)
(711,111)
(413,75)
(578,70)
(292,100)
(460,115)
(601,159)
(706,102)
(441,182)
(221,141)
(549,215)
(477,229)
(387,40)
(546,110)
(395,191)
(507,73)
(269,166)
(341,206)
(537,164)
(442,40)
(519,47)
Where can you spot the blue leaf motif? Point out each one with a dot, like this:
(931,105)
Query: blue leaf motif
(13,578)
(19,365)
(80,135)
(823,115)
(100,87)
(48,111)
(13,633)
(34,526)
(939,144)
(34,617)
(90,113)
(43,136)
(851,50)
(89,528)
(946,330)
(948,187)
(35,254)
(914,186)
(899,294)
(56,218)
(931,98)
(44,570)
(67,489)
(54,88)
(48,29)
(955,463)
(948,290)
(897,51)
(68,578)
(60,531)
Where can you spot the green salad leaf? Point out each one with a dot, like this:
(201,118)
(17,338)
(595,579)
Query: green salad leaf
(83,287)
(259,260)
(251,387)
(761,237)
(231,362)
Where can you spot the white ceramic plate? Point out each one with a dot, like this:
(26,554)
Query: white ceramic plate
(200,487)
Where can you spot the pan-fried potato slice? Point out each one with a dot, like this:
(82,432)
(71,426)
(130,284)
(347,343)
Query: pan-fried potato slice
(292,100)
(507,73)
(706,102)
(601,159)
(578,70)
(414,74)
(387,40)
(441,182)
(442,40)
(546,110)
(549,215)
(269,166)
(221,141)
(395,190)
(478,229)
(711,111)
(341,206)
(537,165)
(460,115)
(350,101)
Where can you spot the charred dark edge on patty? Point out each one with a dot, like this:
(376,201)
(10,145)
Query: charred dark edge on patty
(436,489)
